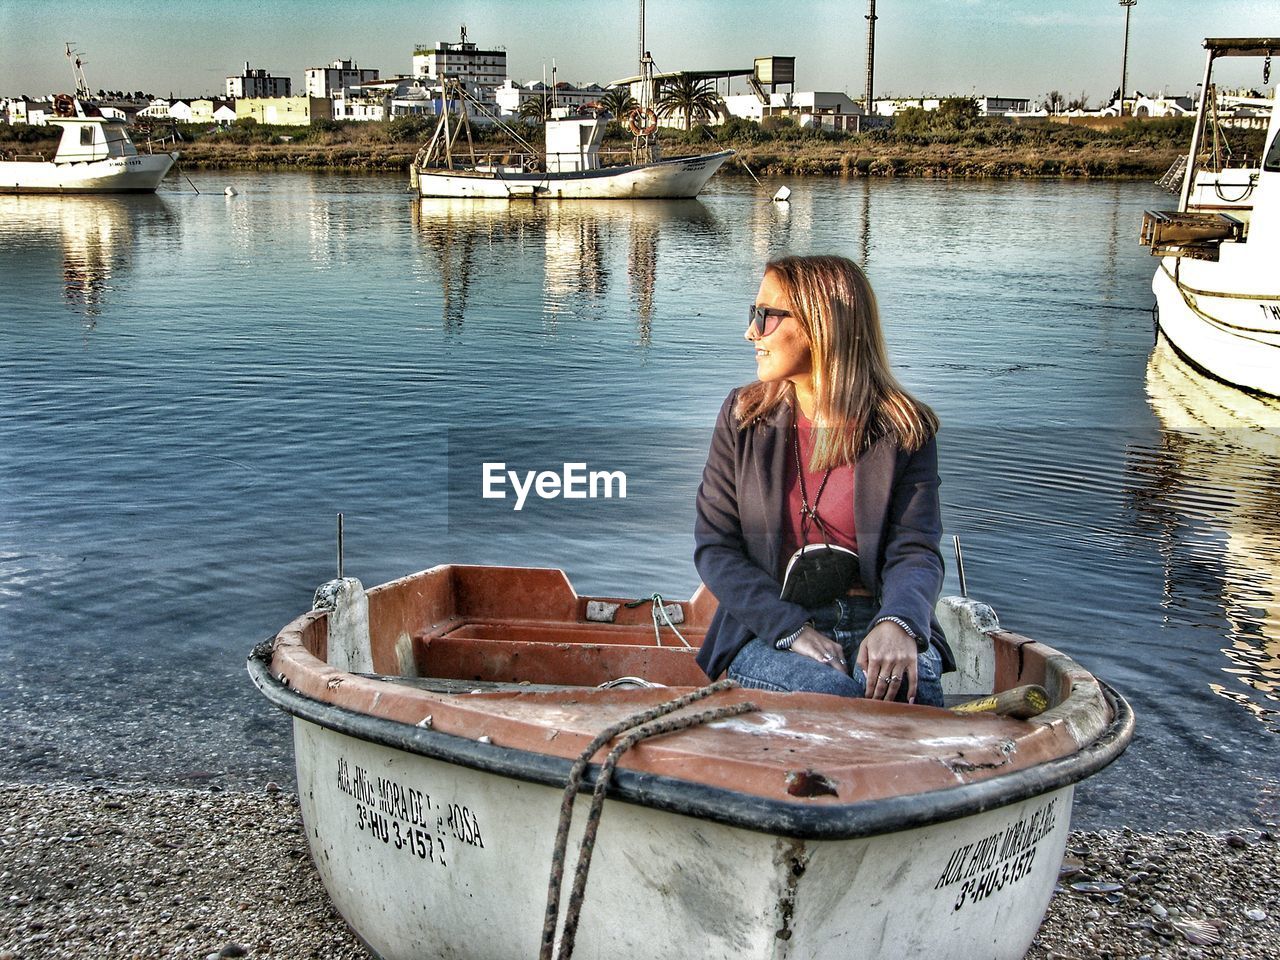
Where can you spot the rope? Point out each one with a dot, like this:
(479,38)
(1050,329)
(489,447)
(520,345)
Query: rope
(574,785)
(659,610)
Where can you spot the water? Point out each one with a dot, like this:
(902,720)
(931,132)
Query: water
(191,387)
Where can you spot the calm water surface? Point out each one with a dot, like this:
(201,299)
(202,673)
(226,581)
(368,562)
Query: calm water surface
(192,386)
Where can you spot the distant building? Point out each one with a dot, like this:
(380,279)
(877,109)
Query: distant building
(257,84)
(483,70)
(511,95)
(26,110)
(987,106)
(829,110)
(336,77)
(1144,106)
(284,111)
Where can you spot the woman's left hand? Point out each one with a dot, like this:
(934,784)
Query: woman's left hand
(888,657)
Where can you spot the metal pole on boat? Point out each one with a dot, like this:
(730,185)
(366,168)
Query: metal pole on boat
(340,546)
(1206,93)
(955,542)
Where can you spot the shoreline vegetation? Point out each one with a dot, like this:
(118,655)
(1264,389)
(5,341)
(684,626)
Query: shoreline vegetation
(91,871)
(917,145)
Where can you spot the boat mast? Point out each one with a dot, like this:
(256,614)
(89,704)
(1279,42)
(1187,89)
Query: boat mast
(642,146)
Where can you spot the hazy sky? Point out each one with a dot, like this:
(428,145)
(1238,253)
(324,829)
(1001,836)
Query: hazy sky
(1005,47)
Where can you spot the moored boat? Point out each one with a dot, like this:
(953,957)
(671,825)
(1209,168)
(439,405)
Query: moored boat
(570,167)
(438,718)
(95,154)
(1215,287)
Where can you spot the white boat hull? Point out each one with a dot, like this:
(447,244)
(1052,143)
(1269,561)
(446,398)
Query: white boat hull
(132,174)
(1232,337)
(426,858)
(682,177)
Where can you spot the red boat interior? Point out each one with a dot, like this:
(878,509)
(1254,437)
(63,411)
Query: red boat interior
(514,657)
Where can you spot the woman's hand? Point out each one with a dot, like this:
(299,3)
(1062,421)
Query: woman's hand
(818,646)
(888,657)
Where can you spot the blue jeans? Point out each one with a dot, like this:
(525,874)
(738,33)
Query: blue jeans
(761,667)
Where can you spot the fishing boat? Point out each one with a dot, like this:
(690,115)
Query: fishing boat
(1217,295)
(570,167)
(493,766)
(95,154)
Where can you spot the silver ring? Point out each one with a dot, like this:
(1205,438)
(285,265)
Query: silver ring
(826,658)
(893,678)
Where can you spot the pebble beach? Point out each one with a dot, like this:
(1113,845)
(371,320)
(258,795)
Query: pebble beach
(99,872)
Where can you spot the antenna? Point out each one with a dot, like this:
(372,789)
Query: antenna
(77,71)
(868,103)
(1124,62)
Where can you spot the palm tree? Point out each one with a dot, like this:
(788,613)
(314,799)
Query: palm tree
(536,108)
(619,102)
(696,100)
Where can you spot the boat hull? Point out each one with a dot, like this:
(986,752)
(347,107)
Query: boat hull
(678,178)
(428,858)
(1232,337)
(136,174)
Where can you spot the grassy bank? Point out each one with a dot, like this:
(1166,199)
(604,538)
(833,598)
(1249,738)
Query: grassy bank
(919,148)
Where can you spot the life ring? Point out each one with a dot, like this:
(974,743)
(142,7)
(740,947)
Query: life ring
(642,121)
(64,105)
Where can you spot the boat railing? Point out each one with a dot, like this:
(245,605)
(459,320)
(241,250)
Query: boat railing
(151,146)
(26,157)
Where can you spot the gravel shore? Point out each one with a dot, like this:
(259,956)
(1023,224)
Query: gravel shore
(93,872)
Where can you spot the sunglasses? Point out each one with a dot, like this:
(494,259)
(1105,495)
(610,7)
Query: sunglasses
(765,320)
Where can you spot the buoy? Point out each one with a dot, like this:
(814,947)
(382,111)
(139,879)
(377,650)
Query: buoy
(783,195)
(231,191)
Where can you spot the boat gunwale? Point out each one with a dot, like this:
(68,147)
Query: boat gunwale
(830,821)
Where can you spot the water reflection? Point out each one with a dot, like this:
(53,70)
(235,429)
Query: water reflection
(1211,492)
(578,250)
(97,236)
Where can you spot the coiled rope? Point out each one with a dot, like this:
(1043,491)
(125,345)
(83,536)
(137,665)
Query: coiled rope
(641,725)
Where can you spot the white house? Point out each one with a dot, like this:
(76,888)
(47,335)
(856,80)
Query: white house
(828,109)
(26,110)
(336,77)
(510,96)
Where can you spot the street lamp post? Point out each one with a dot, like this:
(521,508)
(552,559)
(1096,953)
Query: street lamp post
(1124,62)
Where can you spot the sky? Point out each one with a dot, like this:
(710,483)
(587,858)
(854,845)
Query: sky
(946,47)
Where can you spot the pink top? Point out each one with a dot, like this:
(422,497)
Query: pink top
(835,507)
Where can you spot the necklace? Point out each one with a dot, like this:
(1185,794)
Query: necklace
(808,514)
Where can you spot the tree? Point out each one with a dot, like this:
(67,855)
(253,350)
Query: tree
(695,100)
(958,113)
(619,102)
(1055,102)
(1080,103)
(536,108)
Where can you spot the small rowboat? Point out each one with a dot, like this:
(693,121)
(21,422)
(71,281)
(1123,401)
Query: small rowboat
(438,718)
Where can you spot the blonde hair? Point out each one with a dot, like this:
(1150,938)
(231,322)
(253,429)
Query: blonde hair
(859,400)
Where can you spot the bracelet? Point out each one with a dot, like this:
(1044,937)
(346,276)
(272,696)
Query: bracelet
(784,643)
(922,643)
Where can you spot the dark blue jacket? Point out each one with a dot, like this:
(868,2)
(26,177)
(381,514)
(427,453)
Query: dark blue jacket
(739,530)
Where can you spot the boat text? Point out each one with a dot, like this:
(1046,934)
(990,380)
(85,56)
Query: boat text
(573,482)
(1270,311)
(406,818)
(999,860)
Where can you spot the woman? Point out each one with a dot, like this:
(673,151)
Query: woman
(825,447)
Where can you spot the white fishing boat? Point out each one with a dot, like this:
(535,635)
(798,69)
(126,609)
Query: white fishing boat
(1217,291)
(570,167)
(445,722)
(95,154)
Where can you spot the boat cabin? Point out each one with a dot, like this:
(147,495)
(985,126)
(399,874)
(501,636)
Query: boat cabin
(573,144)
(91,136)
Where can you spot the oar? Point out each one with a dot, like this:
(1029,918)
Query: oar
(1021,703)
